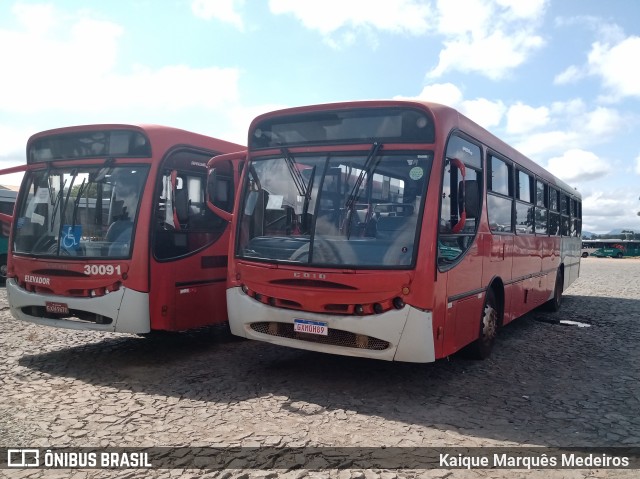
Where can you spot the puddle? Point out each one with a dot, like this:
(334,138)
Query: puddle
(574,323)
(565,322)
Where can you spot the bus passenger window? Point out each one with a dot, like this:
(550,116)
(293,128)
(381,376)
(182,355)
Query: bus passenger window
(525,214)
(184,223)
(500,195)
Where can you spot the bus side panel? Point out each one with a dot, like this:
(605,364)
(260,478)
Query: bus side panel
(463,322)
(527,256)
(200,305)
(462,281)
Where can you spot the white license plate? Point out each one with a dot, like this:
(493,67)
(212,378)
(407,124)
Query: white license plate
(310,327)
(56,308)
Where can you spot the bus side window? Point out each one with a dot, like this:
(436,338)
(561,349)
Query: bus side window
(460,199)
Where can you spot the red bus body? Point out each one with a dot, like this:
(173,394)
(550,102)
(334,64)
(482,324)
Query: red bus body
(457,275)
(166,270)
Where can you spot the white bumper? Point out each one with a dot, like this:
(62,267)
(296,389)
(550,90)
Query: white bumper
(408,331)
(129,309)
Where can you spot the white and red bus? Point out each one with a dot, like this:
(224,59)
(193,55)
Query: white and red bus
(394,230)
(112,232)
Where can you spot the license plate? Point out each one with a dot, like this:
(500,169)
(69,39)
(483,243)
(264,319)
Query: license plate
(56,308)
(310,327)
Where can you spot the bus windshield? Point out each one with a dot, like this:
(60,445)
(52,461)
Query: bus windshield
(81,211)
(357,210)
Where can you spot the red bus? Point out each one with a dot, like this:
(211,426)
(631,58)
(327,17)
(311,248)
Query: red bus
(395,230)
(111,230)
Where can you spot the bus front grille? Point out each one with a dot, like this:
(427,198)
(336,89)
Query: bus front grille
(336,337)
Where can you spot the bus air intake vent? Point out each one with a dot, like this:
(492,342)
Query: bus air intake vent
(311,283)
(74,315)
(336,337)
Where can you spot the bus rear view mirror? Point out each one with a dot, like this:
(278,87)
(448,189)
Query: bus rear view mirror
(217,191)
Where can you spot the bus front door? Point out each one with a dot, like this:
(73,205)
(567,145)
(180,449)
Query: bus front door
(188,268)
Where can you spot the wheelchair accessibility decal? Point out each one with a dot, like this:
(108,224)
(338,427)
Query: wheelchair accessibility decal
(71,235)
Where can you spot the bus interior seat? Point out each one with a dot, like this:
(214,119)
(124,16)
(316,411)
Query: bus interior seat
(182,206)
(388,227)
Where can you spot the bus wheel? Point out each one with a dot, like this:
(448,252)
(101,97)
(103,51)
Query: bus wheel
(481,348)
(554,303)
(585,254)
(618,255)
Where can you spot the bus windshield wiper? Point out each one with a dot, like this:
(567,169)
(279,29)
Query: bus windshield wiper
(76,203)
(298,180)
(56,203)
(368,164)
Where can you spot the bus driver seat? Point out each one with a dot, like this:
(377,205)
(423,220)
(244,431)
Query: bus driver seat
(119,234)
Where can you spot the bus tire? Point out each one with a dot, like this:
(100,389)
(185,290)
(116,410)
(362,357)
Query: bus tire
(3,268)
(489,321)
(619,255)
(553,305)
(585,254)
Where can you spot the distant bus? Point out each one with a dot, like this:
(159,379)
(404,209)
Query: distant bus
(394,230)
(7,202)
(610,248)
(111,230)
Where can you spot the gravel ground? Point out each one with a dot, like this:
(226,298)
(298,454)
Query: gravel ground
(550,382)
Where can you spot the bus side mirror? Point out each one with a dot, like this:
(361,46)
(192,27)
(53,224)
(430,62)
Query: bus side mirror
(215,191)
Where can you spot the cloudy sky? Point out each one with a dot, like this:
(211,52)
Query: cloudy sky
(558,79)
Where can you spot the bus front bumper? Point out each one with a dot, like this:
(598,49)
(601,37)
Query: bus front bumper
(122,311)
(395,335)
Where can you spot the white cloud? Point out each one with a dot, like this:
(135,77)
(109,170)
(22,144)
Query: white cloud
(329,16)
(570,75)
(638,164)
(488,37)
(603,211)
(578,165)
(223,10)
(524,8)
(36,19)
(484,112)
(481,110)
(614,64)
(444,93)
(491,38)
(492,55)
(569,125)
(539,144)
(603,122)
(523,118)
(70,65)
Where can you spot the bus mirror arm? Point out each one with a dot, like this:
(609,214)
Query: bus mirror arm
(456,228)
(210,195)
(225,215)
